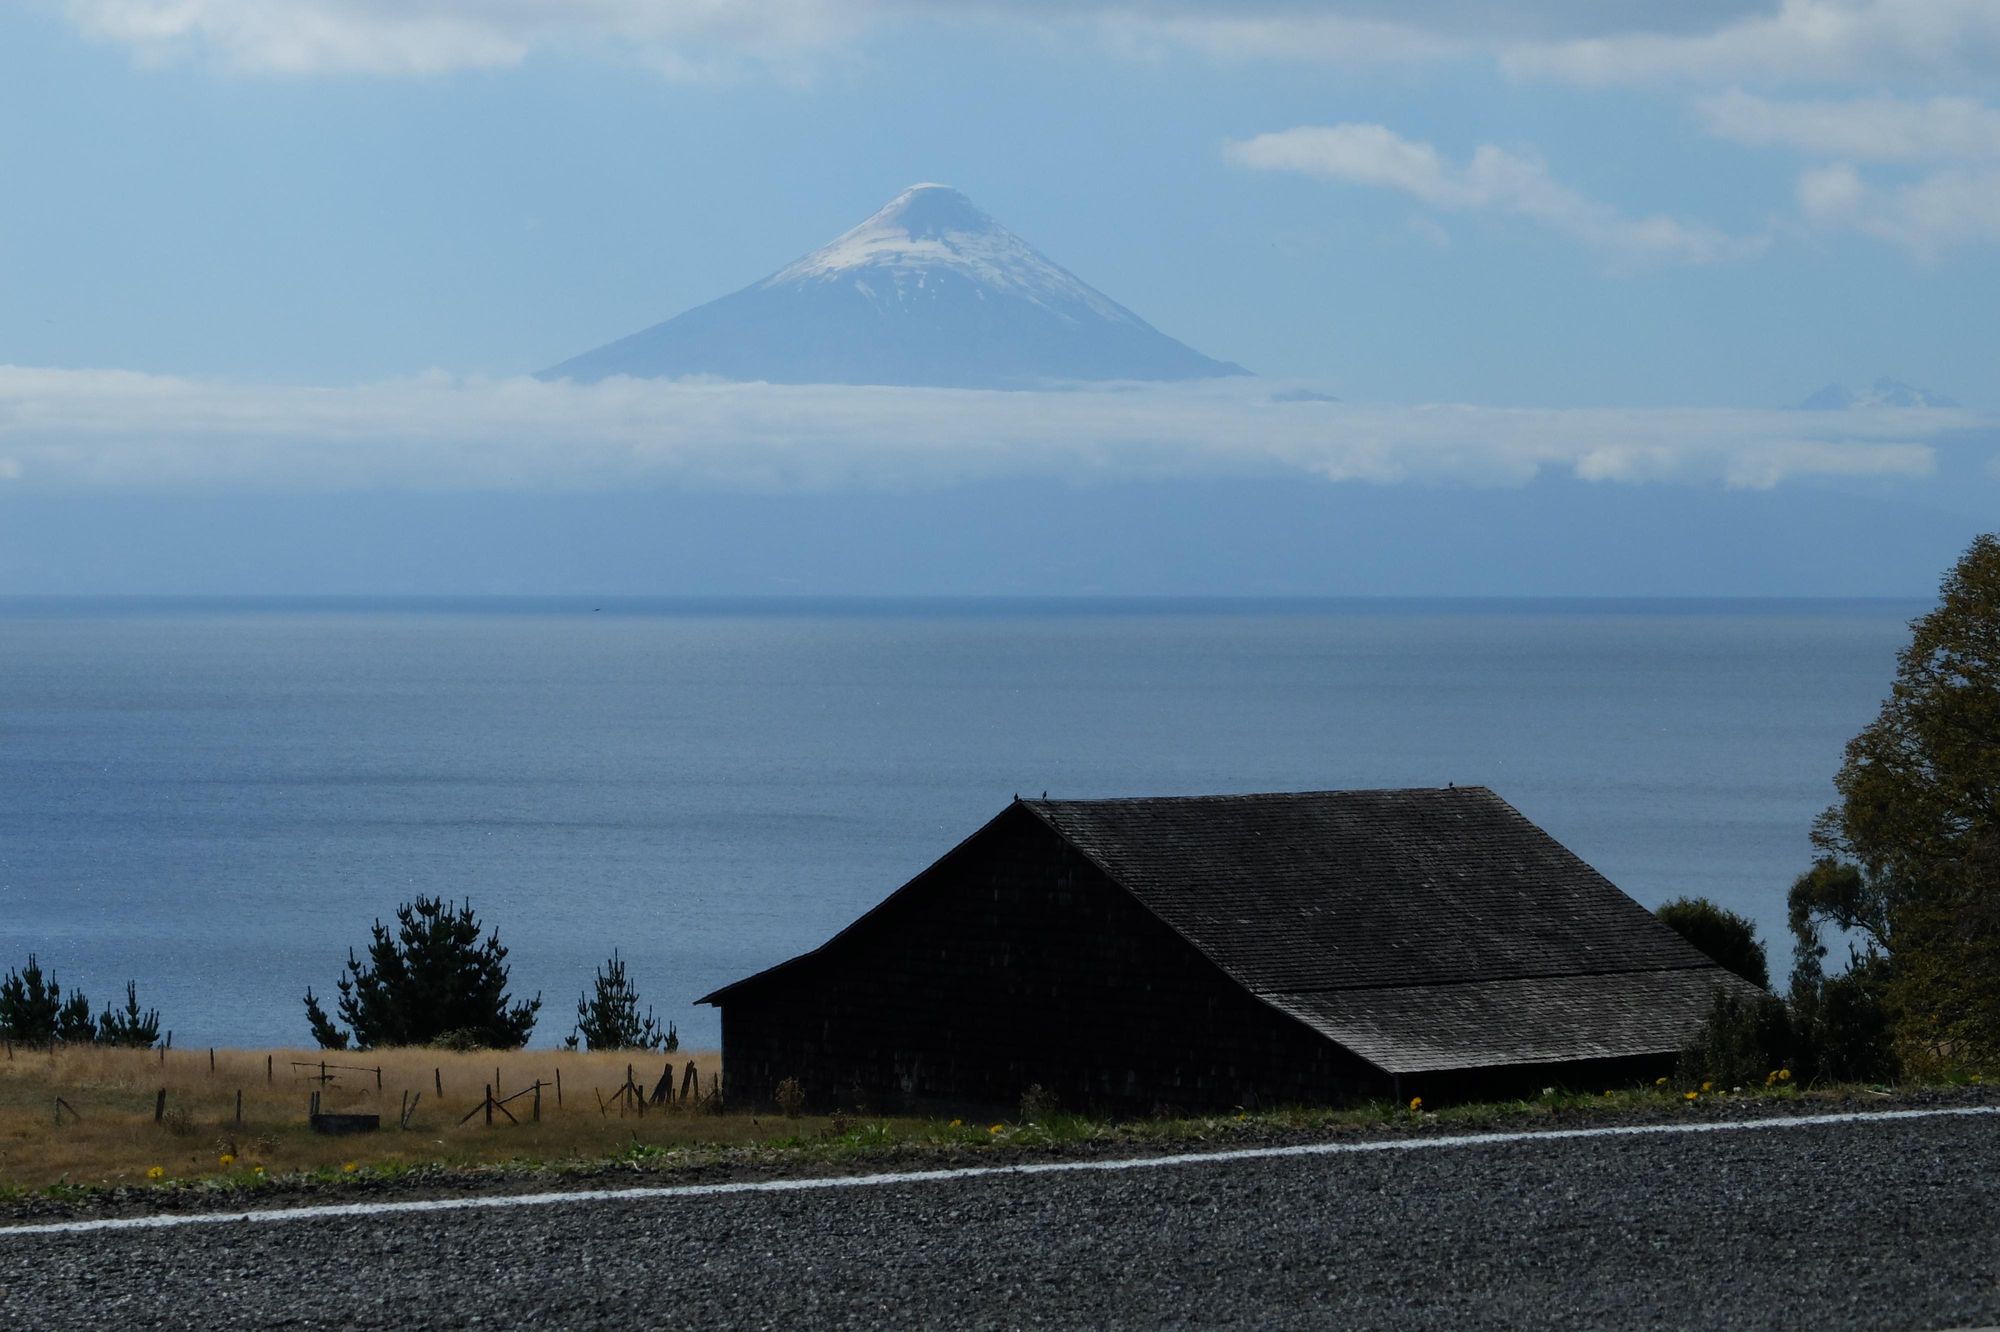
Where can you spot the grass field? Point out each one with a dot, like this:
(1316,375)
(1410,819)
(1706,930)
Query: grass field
(107,1134)
(107,1137)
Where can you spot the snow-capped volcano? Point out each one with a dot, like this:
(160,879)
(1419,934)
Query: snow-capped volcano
(1885,392)
(928,291)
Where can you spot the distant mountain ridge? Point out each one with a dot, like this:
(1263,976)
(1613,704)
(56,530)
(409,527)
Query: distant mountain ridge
(1885,392)
(928,291)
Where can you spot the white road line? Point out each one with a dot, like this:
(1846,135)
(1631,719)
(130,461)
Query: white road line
(360,1209)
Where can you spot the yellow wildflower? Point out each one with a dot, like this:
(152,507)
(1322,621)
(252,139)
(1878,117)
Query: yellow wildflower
(1784,1075)
(1706,1085)
(958,1123)
(997,1128)
(1691,1096)
(226,1160)
(1659,1082)
(1416,1104)
(349,1167)
(157,1172)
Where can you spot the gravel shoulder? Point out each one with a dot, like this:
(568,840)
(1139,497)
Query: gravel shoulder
(1872,1224)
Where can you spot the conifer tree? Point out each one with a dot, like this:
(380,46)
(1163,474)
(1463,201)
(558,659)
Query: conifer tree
(130,1027)
(609,1019)
(434,980)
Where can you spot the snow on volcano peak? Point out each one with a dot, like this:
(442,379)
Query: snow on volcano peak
(929,230)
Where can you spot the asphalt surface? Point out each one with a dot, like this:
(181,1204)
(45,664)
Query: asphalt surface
(1889,1224)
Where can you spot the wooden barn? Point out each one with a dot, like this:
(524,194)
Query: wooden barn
(1228,950)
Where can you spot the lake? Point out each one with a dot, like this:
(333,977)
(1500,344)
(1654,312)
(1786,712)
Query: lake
(216,798)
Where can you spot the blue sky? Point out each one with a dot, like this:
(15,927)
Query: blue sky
(316,246)
(245,200)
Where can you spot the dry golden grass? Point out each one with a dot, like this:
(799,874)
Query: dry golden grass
(112,1138)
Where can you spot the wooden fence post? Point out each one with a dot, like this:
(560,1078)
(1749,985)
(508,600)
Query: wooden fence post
(558,1086)
(437,1077)
(378,1077)
(160,1106)
(538,1100)
(269,1078)
(211,1061)
(489,1105)
(239,1105)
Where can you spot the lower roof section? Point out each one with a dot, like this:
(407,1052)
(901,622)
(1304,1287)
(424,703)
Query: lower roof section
(1539,1020)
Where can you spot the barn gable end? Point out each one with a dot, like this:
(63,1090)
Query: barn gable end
(1015,962)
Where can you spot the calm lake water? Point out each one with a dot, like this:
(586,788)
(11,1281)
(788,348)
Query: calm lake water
(217,799)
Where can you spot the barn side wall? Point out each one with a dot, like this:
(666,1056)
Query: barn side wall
(1016,963)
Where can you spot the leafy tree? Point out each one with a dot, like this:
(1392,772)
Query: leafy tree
(130,1027)
(34,1012)
(609,1019)
(434,978)
(1910,852)
(1727,939)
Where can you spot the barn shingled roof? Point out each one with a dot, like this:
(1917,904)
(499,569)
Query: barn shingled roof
(1422,929)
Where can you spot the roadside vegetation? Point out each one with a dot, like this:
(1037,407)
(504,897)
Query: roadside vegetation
(109,1149)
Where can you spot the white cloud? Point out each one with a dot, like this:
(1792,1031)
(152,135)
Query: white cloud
(1493,179)
(1803,41)
(1928,216)
(423,37)
(1591,41)
(1953,141)
(68,429)
(1863,129)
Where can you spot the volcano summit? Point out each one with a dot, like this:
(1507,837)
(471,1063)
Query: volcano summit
(929,291)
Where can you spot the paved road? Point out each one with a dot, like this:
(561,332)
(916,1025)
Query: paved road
(1892,1224)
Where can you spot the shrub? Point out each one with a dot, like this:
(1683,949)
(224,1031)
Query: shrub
(1834,1029)
(1742,1040)
(791,1098)
(434,977)
(1842,1024)
(1725,938)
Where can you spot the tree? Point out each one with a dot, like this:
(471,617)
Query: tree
(609,1019)
(1910,852)
(33,1011)
(435,979)
(130,1027)
(1725,938)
